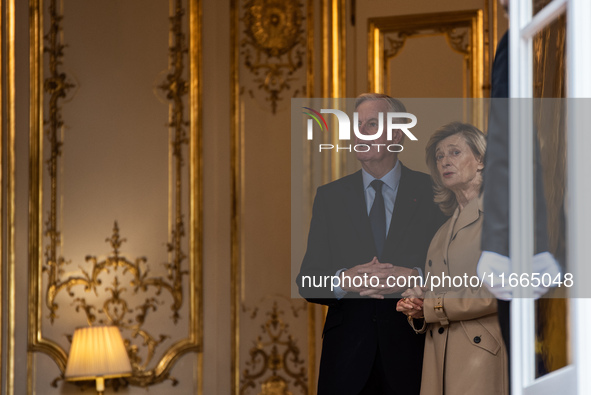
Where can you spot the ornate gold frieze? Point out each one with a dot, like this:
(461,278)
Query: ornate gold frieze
(275,365)
(116,290)
(273,48)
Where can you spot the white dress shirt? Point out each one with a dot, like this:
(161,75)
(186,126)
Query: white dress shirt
(391,181)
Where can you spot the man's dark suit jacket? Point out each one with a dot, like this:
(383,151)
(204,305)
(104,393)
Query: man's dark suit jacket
(340,237)
(495,228)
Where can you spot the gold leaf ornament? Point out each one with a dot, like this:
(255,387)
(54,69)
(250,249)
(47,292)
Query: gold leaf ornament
(273,26)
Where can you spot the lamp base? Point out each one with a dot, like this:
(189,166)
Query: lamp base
(100,385)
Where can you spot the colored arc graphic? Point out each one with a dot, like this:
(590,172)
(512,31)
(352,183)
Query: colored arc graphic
(316,117)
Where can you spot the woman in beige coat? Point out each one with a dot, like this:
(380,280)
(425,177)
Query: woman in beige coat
(464,352)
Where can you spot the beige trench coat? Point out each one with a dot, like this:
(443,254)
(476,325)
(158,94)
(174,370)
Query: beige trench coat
(464,351)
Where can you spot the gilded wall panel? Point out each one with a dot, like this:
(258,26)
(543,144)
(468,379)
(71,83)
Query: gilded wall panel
(272,49)
(115,221)
(463,34)
(446,53)
(269,66)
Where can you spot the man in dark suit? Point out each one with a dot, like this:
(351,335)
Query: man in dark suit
(495,228)
(369,348)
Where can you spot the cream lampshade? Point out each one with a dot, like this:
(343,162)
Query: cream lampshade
(97,352)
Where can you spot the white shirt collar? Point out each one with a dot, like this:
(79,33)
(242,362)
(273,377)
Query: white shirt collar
(391,178)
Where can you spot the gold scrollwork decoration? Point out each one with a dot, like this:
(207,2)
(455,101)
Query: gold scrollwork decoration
(274,45)
(457,38)
(56,85)
(177,88)
(276,354)
(116,308)
(396,41)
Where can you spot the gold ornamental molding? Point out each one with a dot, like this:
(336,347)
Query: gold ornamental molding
(274,364)
(334,73)
(273,46)
(463,31)
(264,66)
(7,198)
(116,290)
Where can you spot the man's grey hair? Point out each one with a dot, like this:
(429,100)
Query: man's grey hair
(394,105)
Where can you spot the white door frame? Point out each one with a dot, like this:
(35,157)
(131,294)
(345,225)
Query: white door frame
(576,377)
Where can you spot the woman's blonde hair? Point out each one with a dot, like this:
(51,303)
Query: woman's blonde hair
(475,139)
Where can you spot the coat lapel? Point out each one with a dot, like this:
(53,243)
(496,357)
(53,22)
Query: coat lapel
(449,234)
(459,221)
(407,201)
(357,209)
(470,214)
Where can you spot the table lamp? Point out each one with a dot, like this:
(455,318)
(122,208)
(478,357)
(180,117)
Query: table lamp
(97,353)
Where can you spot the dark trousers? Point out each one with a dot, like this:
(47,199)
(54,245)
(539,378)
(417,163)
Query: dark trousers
(504,314)
(377,383)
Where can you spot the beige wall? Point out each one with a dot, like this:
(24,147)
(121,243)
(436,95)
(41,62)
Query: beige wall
(245,191)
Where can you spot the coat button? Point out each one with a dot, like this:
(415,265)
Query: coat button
(477,339)
(441,330)
(430,263)
(444,262)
